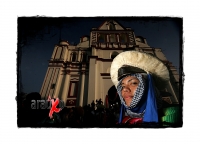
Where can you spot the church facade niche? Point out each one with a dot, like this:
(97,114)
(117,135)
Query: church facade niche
(73,56)
(83,57)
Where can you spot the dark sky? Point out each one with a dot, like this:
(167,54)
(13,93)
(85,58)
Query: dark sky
(37,37)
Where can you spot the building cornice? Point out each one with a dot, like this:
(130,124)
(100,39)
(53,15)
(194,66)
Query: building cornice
(105,74)
(100,59)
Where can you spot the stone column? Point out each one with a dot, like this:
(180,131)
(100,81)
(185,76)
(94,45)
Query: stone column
(91,82)
(79,57)
(66,88)
(58,84)
(66,54)
(82,89)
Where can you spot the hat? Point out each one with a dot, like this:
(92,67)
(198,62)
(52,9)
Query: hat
(130,62)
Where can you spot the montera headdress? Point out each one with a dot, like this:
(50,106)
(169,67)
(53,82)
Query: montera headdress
(130,62)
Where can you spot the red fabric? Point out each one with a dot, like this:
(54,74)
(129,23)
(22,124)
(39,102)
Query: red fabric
(129,120)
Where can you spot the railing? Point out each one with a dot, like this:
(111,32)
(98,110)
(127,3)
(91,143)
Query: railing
(112,44)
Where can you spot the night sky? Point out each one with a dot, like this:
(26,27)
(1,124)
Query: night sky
(37,37)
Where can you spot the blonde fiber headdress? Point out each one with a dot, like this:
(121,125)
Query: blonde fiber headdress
(140,60)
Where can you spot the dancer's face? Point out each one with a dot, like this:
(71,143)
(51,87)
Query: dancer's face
(129,86)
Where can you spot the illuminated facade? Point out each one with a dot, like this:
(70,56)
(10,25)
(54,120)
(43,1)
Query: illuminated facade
(79,74)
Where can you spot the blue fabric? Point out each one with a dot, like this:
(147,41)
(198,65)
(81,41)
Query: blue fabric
(147,103)
(151,114)
(121,113)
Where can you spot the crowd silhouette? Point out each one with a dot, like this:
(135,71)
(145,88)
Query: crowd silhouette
(89,116)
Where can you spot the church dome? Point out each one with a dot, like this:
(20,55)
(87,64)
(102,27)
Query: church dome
(63,42)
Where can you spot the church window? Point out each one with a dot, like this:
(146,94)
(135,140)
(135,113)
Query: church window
(113,38)
(123,38)
(102,38)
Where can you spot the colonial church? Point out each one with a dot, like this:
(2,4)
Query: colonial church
(79,74)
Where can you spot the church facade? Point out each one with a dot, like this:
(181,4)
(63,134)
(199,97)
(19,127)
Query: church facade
(79,74)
